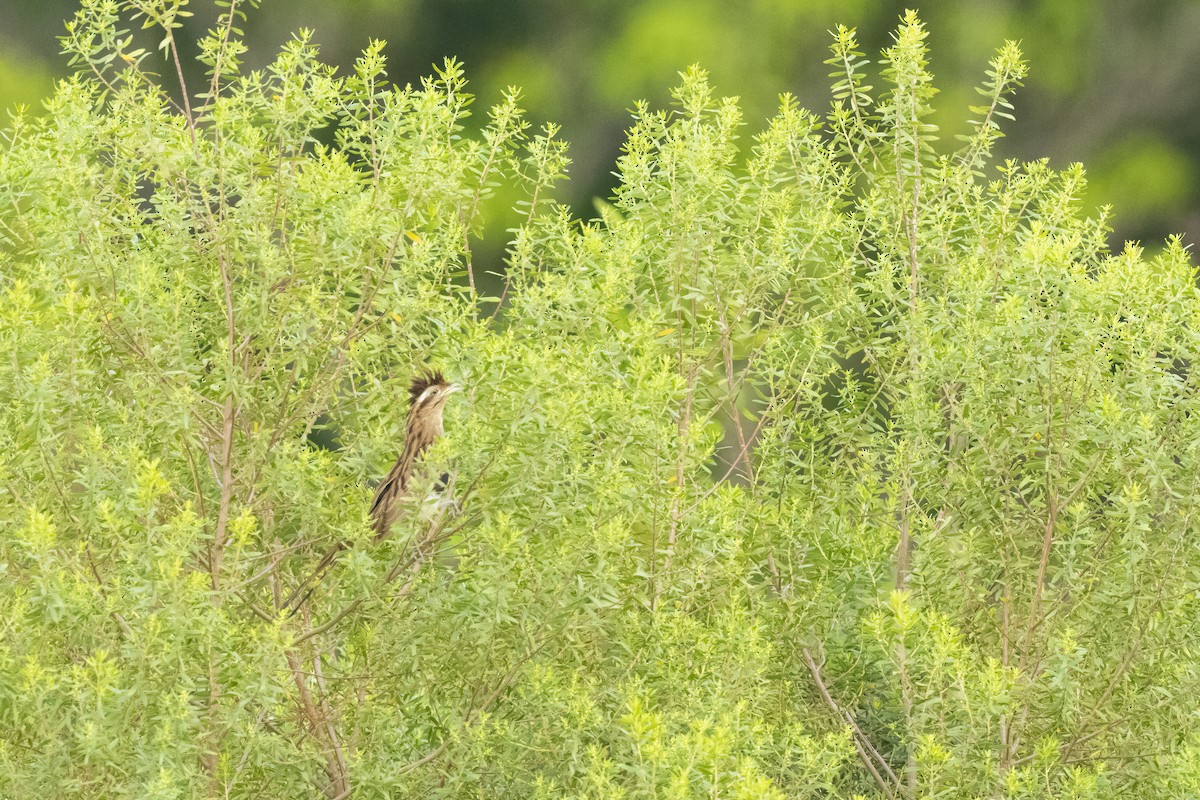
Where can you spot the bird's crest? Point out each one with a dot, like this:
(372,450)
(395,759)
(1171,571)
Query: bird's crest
(424,381)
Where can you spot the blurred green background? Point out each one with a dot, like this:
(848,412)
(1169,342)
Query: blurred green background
(1114,84)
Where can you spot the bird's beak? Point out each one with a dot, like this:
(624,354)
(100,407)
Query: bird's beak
(454,387)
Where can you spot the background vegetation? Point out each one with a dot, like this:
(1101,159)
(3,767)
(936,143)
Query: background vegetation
(833,459)
(1114,85)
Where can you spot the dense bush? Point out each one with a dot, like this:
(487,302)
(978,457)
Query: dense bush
(854,467)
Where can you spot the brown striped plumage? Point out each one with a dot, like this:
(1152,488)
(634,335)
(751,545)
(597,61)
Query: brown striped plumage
(428,394)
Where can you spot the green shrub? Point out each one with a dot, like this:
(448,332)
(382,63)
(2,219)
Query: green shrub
(839,465)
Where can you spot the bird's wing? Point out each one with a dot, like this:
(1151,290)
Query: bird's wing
(384,504)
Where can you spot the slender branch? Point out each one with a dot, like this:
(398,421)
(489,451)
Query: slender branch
(867,752)
(183,88)
(334,769)
(222,50)
(226,444)
(117,618)
(904,547)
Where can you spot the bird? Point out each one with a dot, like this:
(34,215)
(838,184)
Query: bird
(428,394)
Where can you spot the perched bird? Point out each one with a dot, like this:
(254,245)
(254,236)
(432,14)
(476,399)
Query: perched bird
(428,395)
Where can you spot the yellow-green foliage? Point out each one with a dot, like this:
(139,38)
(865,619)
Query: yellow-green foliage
(855,468)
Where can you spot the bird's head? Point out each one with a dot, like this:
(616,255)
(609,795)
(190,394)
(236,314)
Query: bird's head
(429,392)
